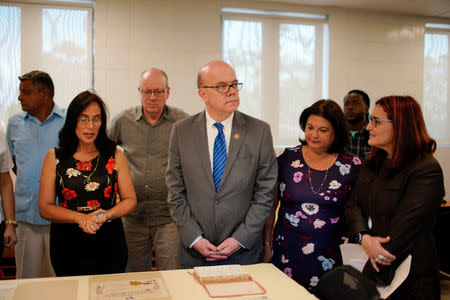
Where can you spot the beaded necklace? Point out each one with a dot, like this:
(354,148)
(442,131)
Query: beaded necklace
(310,175)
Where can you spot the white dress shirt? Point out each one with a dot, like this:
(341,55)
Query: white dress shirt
(211,132)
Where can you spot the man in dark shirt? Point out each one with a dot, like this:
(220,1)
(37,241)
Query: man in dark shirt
(356,110)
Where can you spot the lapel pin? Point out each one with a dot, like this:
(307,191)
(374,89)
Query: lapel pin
(236,136)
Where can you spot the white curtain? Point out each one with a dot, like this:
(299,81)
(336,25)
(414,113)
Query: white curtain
(280,61)
(436,106)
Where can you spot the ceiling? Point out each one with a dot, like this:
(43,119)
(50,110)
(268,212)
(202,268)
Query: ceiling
(434,8)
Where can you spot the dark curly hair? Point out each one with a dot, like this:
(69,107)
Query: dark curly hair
(331,111)
(365,97)
(68,140)
(362,94)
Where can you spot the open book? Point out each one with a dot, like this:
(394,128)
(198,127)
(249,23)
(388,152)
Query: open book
(227,281)
(354,255)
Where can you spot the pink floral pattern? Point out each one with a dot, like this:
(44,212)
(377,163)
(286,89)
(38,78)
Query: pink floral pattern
(298,177)
(308,249)
(310,225)
(296,164)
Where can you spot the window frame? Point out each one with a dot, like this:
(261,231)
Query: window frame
(270,63)
(32,54)
(433,28)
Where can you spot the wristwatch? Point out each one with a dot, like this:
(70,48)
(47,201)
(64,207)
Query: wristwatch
(359,236)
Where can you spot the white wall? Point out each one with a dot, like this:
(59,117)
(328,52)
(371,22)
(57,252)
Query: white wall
(379,53)
(177,36)
(443,156)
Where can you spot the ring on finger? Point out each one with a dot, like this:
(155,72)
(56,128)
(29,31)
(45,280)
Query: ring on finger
(380,256)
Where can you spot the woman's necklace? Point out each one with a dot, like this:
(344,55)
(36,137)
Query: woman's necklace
(310,175)
(87,178)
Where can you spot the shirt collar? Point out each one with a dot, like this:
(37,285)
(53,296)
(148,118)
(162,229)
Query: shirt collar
(166,114)
(226,123)
(139,114)
(56,110)
(363,128)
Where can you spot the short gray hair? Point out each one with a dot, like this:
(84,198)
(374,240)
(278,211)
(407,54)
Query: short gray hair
(155,69)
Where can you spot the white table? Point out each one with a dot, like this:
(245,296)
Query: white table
(180,284)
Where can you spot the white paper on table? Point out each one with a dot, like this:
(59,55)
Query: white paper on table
(7,291)
(236,288)
(143,289)
(354,255)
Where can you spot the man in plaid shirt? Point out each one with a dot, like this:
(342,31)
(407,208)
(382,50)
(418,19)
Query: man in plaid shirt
(356,110)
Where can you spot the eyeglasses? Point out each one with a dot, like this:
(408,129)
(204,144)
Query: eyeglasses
(156,92)
(375,121)
(83,119)
(224,88)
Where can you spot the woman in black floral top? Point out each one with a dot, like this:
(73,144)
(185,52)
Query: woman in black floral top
(85,173)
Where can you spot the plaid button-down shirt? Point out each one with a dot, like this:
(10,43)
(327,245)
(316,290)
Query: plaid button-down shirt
(358,145)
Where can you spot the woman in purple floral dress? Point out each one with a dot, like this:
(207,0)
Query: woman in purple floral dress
(314,181)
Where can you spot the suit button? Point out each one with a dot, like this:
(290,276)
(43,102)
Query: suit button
(217,201)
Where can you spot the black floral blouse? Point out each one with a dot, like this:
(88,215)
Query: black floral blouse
(85,186)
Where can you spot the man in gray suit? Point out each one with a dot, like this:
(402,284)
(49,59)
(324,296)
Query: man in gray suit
(220,213)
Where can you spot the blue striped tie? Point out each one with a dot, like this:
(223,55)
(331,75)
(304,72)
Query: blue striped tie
(219,155)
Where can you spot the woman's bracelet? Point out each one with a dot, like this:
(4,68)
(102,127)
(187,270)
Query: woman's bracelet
(266,243)
(14,222)
(112,215)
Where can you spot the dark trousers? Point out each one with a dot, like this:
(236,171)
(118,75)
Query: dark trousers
(2,246)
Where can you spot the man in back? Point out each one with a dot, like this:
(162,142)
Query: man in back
(143,132)
(356,111)
(31,134)
(221,176)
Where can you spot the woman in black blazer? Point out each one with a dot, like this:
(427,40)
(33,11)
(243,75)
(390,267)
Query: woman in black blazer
(394,205)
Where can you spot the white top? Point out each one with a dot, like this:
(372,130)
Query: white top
(6,163)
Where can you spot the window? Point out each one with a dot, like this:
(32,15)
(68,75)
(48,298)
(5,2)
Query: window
(280,59)
(436,89)
(9,54)
(56,39)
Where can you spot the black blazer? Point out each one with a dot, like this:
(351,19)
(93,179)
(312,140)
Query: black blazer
(403,206)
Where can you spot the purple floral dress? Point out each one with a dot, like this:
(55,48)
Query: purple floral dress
(311,225)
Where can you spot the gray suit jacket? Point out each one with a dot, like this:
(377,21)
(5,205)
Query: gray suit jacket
(243,202)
